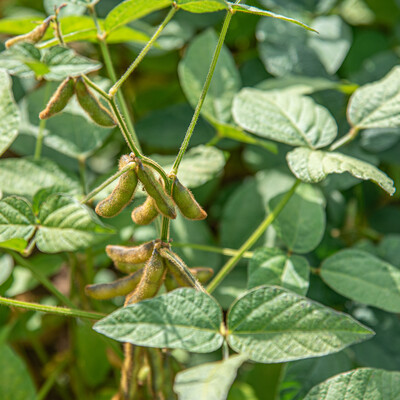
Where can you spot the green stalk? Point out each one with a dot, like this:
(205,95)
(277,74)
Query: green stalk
(107,182)
(111,73)
(348,137)
(231,263)
(213,249)
(203,94)
(112,92)
(96,88)
(124,129)
(67,312)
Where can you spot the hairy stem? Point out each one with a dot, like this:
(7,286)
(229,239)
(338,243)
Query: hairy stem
(203,94)
(213,249)
(111,73)
(124,129)
(68,312)
(231,263)
(112,92)
(348,137)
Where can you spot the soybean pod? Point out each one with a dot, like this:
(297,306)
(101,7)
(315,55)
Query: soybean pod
(186,202)
(156,190)
(122,193)
(60,99)
(130,255)
(179,270)
(89,103)
(120,287)
(145,213)
(151,278)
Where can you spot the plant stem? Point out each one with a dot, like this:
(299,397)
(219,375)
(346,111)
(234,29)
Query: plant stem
(42,125)
(124,129)
(142,53)
(203,94)
(227,268)
(111,179)
(96,88)
(111,73)
(42,279)
(68,312)
(212,249)
(348,137)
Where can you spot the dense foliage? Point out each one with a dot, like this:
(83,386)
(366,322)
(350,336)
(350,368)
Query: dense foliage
(282,117)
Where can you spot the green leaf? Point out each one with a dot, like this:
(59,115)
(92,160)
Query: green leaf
(210,381)
(9,114)
(199,166)
(290,119)
(14,244)
(333,42)
(25,176)
(359,384)
(67,225)
(129,10)
(377,104)
(272,266)
(15,381)
(271,324)
(225,83)
(258,11)
(314,166)
(301,223)
(16,219)
(363,277)
(54,64)
(284,49)
(184,319)
(20,26)
(202,6)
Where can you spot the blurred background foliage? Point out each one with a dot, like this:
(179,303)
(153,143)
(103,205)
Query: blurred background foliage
(358,43)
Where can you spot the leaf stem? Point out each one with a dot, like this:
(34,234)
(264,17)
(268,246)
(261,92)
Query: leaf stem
(124,129)
(348,137)
(68,312)
(101,36)
(231,263)
(203,94)
(96,88)
(213,249)
(107,182)
(112,92)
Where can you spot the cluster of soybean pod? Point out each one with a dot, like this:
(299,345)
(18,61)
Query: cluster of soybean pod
(152,263)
